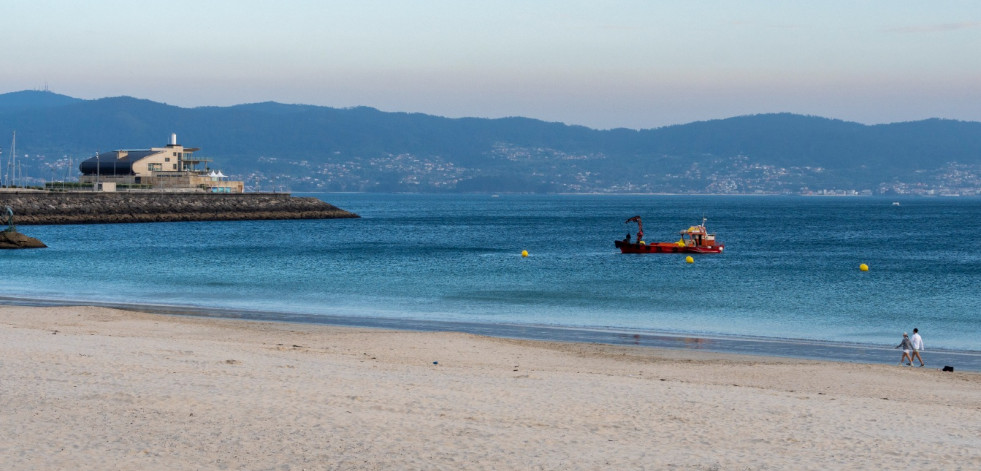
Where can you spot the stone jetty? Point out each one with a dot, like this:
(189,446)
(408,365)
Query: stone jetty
(43,207)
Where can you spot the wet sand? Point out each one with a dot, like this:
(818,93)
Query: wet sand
(97,388)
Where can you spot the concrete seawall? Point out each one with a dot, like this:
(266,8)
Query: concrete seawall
(98,208)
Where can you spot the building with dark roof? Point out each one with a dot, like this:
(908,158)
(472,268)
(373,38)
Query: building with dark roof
(171,168)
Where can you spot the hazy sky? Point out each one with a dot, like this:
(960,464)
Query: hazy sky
(603,64)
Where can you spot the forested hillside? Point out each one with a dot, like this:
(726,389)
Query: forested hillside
(314,148)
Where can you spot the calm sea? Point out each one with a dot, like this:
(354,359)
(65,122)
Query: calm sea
(788,282)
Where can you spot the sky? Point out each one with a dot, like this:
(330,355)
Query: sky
(602,64)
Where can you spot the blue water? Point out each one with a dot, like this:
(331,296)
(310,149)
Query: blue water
(790,269)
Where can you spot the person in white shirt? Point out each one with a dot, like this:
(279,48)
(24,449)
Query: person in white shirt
(917,346)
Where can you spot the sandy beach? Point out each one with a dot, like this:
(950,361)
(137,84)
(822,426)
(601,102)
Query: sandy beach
(94,388)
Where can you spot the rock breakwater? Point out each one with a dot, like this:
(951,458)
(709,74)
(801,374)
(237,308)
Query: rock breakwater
(122,207)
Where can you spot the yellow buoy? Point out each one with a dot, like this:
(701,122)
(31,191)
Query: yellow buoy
(863,267)
(688,259)
(524,253)
(642,243)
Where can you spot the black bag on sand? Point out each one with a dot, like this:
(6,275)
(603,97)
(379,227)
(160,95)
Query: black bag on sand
(948,368)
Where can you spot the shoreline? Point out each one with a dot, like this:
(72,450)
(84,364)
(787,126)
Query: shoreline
(98,388)
(790,348)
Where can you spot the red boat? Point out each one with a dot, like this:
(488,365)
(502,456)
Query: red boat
(695,239)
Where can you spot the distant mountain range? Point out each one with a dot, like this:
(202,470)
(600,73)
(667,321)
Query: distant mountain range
(313,148)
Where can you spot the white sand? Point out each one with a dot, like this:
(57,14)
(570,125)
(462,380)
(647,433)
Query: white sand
(96,389)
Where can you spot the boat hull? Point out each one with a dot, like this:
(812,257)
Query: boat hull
(665,247)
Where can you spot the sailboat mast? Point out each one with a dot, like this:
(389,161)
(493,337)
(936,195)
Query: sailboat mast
(13,160)
(10,162)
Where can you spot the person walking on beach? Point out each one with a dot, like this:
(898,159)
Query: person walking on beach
(917,343)
(906,346)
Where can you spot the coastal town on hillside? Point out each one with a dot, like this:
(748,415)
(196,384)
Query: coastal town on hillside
(735,177)
(175,168)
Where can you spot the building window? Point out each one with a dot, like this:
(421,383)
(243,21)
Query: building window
(175,166)
(155,167)
(166,159)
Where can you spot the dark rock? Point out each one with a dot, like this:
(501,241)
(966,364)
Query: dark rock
(12,239)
